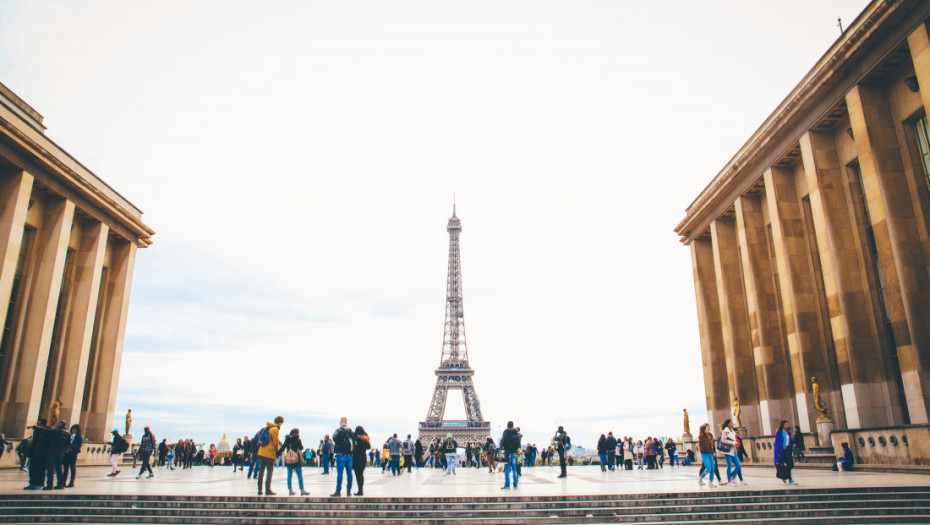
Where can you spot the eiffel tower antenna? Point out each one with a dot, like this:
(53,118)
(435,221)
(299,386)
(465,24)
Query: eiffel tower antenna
(454,371)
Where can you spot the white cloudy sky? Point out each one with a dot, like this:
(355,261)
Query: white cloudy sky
(298,161)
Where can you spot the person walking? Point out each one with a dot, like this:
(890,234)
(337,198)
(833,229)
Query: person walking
(212,455)
(799,447)
(418,453)
(22,451)
(253,457)
(326,454)
(562,443)
(672,449)
(268,446)
(69,465)
(706,446)
(117,447)
(362,443)
(394,446)
(602,452)
(291,448)
(781,453)
(162,452)
(510,444)
(408,448)
(238,455)
(146,447)
(730,447)
(490,455)
(170,458)
(450,451)
(343,440)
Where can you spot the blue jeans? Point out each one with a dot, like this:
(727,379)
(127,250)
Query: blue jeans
(253,466)
(395,465)
(603,458)
(344,462)
(734,468)
(511,466)
(709,464)
(300,478)
(324,462)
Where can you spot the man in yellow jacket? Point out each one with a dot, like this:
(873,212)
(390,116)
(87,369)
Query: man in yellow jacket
(268,453)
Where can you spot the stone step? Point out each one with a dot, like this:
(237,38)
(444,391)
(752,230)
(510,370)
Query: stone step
(364,504)
(865,505)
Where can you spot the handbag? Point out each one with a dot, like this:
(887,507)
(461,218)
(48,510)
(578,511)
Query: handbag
(723,447)
(291,458)
(782,471)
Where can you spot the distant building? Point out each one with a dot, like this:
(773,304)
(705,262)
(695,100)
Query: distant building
(811,253)
(67,247)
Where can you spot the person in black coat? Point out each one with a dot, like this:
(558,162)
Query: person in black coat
(362,444)
(38,453)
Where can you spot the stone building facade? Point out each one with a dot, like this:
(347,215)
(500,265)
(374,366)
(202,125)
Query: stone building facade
(68,244)
(810,249)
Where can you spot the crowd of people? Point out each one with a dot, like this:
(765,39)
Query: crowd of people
(51,454)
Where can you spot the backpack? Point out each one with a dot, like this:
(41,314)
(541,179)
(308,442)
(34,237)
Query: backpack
(262,437)
(406,446)
(568,442)
(342,440)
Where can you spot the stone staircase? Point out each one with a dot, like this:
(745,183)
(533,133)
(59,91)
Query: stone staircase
(809,506)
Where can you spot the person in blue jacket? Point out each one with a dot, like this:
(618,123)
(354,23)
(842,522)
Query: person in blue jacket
(782,448)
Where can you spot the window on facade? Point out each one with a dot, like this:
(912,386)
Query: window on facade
(922,131)
(857,186)
(12,313)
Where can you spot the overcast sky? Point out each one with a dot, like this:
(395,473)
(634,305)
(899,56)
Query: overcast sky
(298,162)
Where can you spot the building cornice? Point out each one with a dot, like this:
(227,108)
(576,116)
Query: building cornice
(44,152)
(822,80)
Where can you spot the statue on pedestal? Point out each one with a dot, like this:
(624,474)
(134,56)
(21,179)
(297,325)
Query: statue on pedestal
(736,421)
(687,423)
(128,420)
(818,401)
(56,411)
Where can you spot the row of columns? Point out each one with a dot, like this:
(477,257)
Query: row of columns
(88,314)
(786,292)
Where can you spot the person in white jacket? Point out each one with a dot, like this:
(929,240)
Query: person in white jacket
(728,439)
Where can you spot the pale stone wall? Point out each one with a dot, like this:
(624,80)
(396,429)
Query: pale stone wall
(811,250)
(67,250)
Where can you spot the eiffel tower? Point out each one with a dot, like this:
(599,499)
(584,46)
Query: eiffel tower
(454,371)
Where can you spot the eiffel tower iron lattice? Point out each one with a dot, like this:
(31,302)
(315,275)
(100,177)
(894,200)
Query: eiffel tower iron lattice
(454,371)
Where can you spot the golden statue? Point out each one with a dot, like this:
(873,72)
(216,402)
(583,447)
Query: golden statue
(687,422)
(128,420)
(818,401)
(736,422)
(56,411)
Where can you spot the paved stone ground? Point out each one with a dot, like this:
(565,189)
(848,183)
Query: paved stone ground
(467,482)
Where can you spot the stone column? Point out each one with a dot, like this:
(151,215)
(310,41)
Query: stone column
(14,202)
(907,284)
(734,317)
(76,347)
(98,419)
(712,355)
(866,389)
(21,408)
(919,44)
(799,298)
(769,352)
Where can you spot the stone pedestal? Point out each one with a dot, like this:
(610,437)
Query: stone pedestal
(824,428)
(687,438)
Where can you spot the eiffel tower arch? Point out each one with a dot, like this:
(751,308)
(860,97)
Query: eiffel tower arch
(454,371)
